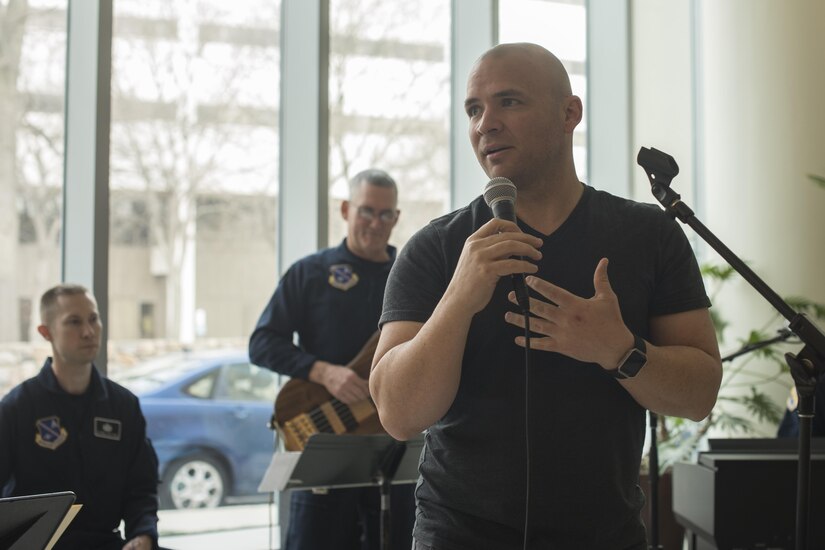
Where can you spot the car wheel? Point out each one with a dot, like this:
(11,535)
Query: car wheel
(198,481)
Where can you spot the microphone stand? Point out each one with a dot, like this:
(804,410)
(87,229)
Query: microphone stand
(386,472)
(653,476)
(806,367)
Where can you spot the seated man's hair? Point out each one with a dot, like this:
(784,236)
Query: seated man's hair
(49,298)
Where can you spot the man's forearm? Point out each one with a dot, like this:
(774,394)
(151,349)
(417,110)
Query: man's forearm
(677,381)
(684,368)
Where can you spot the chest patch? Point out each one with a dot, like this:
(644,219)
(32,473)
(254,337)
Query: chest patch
(342,277)
(107,428)
(50,434)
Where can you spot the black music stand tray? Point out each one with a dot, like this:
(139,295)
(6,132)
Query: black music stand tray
(29,522)
(332,461)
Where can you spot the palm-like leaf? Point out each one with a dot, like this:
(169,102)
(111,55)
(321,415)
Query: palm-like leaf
(680,439)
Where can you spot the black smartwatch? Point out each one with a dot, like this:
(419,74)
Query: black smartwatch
(633,361)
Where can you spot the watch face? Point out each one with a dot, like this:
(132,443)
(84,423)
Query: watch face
(633,363)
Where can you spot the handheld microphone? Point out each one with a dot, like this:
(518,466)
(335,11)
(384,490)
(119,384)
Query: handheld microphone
(500,196)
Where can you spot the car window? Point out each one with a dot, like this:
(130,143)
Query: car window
(246,382)
(153,374)
(203,387)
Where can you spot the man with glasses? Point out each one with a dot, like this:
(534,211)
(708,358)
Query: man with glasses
(332,299)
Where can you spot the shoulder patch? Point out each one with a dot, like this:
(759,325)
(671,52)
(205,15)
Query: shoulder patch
(50,434)
(342,277)
(107,428)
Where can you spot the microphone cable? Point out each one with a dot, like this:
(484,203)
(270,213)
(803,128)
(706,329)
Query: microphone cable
(526,311)
(500,195)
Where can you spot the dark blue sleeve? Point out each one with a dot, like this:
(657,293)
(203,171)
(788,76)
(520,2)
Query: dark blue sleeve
(271,344)
(140,503)
(818,428)
(789,426)
(6,442)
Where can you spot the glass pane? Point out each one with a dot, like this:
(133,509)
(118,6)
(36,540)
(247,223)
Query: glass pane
(194,183)
(32,83)
(389,101)
(247,382)
(561,27)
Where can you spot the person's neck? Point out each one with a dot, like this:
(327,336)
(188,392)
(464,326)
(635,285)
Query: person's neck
(73,378)
(546,206)
(377,256)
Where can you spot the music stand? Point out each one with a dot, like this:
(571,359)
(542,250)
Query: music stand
(29,522)
(331,461)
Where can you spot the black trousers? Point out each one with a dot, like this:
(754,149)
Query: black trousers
(349,519)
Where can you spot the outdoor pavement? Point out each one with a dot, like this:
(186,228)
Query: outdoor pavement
(239,527)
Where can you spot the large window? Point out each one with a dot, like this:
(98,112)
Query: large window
(192,256)
(194,144)
(389,101)
(32,79)
(561,27)
(194,194)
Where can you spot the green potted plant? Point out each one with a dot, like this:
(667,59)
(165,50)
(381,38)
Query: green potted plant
(744,403)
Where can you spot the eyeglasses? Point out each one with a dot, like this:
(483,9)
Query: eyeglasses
(386,216)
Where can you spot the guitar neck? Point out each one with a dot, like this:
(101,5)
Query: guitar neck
(332,416)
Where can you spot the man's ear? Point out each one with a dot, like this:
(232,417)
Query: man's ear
(345,210)
(44,332)
(573,112)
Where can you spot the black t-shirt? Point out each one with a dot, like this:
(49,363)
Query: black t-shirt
(586,431)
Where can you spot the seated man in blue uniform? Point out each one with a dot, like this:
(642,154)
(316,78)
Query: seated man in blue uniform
(70,429)
(332,300)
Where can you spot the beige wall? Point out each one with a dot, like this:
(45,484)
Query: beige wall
(235,278)
(760,126)
(235,282)
(765,130)
(132,284)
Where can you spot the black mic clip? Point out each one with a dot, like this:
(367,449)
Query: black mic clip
(661,168)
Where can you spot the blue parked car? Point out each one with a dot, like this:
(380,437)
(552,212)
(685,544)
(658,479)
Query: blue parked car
(207,415)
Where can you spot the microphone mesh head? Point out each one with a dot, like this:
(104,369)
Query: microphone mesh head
(498,189)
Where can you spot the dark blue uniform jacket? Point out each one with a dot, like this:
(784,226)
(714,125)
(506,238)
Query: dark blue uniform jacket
(92,444)
(332,299)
